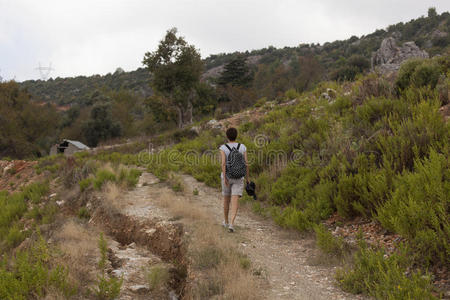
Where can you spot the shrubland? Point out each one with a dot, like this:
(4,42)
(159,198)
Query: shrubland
(137,104)
(33,267)
(375,149)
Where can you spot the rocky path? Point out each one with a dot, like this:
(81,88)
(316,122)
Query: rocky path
(287,260)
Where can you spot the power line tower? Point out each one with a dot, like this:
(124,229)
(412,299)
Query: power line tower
(45,71)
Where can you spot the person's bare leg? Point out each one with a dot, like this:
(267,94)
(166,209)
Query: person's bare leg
(226,207)
(234,208)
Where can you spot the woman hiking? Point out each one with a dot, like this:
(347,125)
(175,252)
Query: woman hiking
(234,170)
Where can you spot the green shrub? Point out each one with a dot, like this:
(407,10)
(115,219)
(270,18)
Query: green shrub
(328,243)
(129,176)
(426,74)
(244,262)
(176,183)
(418,73)
(290,94)
(291,218)
(101,177)
(14,207)
(43,214)
(260,103)
(28,275)
(35,191)
(404,75)
(157,277)
(83,213)
(418,209)
(14,237)
(85,184)
(103,247)
(207,258)
(384,278)
(341,105)
(107,287)
(412,138)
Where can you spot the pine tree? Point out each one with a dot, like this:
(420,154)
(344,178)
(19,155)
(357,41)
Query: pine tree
(236,73)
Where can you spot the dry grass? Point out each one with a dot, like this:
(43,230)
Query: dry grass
(213,253)
(238,282)
(79,246)
(176,182)
(109,167)
(220,268)
(181,208)
(112,194)
(54,295)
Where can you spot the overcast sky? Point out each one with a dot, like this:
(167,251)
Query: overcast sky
(86,37)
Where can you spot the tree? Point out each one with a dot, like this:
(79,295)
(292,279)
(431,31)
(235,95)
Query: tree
(101,125)
(432,12)
(23,131)
(176,67)
(236,73)
(307,71)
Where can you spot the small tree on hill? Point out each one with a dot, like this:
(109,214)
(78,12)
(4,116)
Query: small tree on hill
(432,12)
(101,125)
(236,73)
(176,67)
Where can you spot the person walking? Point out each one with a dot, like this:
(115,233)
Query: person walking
(234,170)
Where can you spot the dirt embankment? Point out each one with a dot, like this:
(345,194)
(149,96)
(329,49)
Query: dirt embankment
(17,173)
(162,239)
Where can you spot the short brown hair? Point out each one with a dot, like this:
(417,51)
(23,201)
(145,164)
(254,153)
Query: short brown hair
(232,134)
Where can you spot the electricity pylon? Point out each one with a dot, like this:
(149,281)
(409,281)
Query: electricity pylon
(45,71)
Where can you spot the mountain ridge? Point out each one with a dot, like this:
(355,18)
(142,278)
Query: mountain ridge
(431,33)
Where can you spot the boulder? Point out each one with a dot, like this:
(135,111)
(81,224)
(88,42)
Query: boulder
(214,124)
(196,129)
(390,56)
(139,289)
(330,95)
(438,34)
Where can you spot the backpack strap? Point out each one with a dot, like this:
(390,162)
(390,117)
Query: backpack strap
(239,144)
(226,145)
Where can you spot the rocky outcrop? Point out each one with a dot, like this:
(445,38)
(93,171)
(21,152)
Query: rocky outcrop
(438,34)
(390,56)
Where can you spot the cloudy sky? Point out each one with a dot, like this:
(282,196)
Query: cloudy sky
(86,37)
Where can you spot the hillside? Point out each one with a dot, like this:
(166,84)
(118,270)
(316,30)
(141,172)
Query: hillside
(275,70)
(362,165)
(81,90)
(123,105)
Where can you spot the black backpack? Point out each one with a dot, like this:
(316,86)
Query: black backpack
(235,166)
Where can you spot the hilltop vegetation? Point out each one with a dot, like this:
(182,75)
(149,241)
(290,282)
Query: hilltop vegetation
(338,59)
(275,70)
(85,90)
(230,83)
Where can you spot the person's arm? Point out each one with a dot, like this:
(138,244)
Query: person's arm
(224,161)
(247,175)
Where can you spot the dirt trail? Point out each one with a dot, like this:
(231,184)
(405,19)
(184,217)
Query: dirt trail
(289,261)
